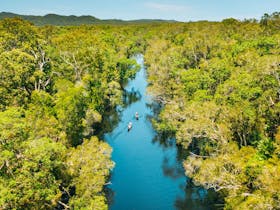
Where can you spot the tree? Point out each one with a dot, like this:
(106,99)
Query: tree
(89,164)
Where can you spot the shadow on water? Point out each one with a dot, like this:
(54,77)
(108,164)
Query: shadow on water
(171,170)
(109,193)
(195,197)
(164,140)
(111,118)
(199,199)
(131,97)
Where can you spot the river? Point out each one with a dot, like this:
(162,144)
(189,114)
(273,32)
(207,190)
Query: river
(148,174)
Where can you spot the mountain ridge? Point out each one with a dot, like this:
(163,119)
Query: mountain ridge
(63,20)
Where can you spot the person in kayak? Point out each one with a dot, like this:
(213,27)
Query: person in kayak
(129,126)
(136,116)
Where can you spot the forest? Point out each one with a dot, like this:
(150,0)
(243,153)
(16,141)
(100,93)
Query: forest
(56,83)
(217,83)
(219,87)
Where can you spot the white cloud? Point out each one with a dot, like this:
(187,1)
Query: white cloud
(166,7)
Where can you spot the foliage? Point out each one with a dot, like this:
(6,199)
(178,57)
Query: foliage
(56,83)
(89,164)
(219,84)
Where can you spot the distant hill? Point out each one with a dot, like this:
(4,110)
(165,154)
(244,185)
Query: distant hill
(60,20)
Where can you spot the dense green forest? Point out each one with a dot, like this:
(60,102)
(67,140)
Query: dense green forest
(218,84)
(56,83)
(220,87)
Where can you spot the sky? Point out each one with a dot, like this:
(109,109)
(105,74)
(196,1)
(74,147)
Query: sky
(181,10)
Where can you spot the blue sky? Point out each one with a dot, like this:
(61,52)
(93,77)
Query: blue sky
(182,10)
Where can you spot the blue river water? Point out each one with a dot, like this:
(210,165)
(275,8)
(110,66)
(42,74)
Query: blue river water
(148,174)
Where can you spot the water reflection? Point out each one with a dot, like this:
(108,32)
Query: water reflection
(171,169)
(196,198)
(112,118)
(164,140)
(109,122)
(109,193)
(199,199)
(131,97)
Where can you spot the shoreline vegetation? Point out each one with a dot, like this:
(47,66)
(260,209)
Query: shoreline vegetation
(56,84)
(218,84)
